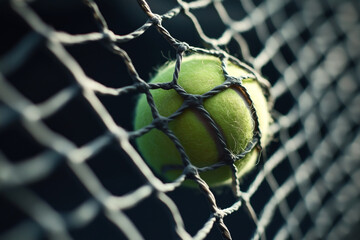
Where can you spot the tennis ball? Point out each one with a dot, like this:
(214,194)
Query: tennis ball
(229,110)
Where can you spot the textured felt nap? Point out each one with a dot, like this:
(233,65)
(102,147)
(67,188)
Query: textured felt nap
(229,110)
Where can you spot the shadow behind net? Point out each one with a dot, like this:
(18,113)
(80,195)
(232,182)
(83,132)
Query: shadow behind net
(67,98)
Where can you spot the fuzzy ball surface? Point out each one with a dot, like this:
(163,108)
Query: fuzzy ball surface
(229,110)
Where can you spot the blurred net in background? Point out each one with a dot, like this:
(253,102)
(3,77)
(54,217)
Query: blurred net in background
(69,80)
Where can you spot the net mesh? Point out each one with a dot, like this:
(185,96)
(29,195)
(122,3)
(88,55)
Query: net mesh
(70,74)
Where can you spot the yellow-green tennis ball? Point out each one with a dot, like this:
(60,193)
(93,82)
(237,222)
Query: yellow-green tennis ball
(229,110)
